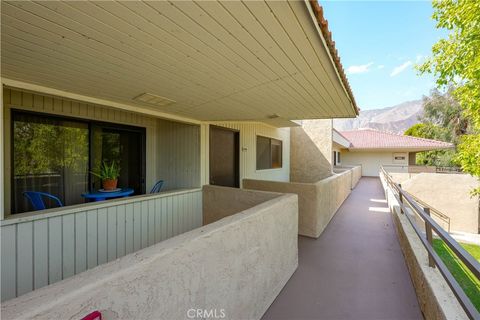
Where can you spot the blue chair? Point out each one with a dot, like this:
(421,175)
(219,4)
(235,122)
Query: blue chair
(156,188)
(36,199)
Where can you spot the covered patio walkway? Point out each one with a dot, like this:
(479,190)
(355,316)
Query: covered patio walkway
(355,270)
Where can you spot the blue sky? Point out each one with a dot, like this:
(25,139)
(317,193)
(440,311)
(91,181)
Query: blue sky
(379,43)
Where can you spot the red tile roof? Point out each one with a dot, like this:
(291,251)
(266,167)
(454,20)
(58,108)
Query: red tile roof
(375,139)
(327,35)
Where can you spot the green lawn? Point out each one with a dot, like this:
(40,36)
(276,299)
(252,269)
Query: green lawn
(465,278)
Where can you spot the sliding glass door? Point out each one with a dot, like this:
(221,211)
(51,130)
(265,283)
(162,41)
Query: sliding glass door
(49,155)
(124,146)
(56,155)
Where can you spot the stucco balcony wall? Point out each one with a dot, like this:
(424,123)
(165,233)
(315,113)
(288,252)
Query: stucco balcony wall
(317,202)
(356,172)
(221,202)
(233,267)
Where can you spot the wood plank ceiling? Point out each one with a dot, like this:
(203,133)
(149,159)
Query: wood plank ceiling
(231,60)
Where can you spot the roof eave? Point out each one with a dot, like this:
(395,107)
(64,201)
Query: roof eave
(401,149)
(330,44)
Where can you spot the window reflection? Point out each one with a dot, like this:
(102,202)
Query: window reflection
(49,155)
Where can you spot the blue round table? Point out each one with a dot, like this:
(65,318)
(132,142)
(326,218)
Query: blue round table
(100,196)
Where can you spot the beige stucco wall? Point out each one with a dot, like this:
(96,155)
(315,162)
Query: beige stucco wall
(450,195)
(332,191)
(317,202)
(356,172)
(308,206)
(356,175)
(371,161)
(311,151)
(221,202)
(238,264)
(435,297)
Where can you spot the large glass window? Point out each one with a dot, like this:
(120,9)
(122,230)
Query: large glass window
(269,153)
(49,155)
(56,155)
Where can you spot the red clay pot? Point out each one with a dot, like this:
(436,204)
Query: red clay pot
(110,184)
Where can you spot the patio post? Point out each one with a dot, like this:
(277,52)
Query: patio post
(2,166)
(428,232)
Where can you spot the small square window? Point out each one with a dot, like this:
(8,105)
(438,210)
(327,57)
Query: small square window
(269,153)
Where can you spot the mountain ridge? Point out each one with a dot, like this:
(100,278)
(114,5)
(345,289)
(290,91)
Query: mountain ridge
(397,118)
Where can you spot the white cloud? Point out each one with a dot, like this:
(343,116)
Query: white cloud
(419,58)
(381,66)
(400,68)
(359,69)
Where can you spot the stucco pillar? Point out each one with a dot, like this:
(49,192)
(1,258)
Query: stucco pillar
(412,158)
(2,145)
(311,151)
(204,154)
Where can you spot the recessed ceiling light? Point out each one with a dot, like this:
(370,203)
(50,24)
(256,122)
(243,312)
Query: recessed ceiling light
(154,99)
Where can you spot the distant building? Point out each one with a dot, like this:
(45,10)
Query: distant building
(372,148)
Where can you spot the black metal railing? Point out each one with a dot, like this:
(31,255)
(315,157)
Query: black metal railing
(406,201)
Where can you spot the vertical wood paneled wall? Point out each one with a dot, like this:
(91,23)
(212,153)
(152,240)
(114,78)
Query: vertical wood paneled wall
(178,154)
(46,248)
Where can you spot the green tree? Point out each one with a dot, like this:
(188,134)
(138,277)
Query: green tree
(426,130)
(440,158)
(443,119)
(446,116)
(456,60)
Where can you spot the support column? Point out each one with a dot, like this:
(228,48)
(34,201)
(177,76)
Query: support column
(204,154)
(412,158)
(2,146)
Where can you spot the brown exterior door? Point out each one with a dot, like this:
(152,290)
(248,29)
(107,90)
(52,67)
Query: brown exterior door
(224,157)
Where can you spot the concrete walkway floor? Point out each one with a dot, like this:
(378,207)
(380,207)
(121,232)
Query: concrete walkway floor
(354,270)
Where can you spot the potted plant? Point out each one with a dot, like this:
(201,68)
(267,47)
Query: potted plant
(109,174)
